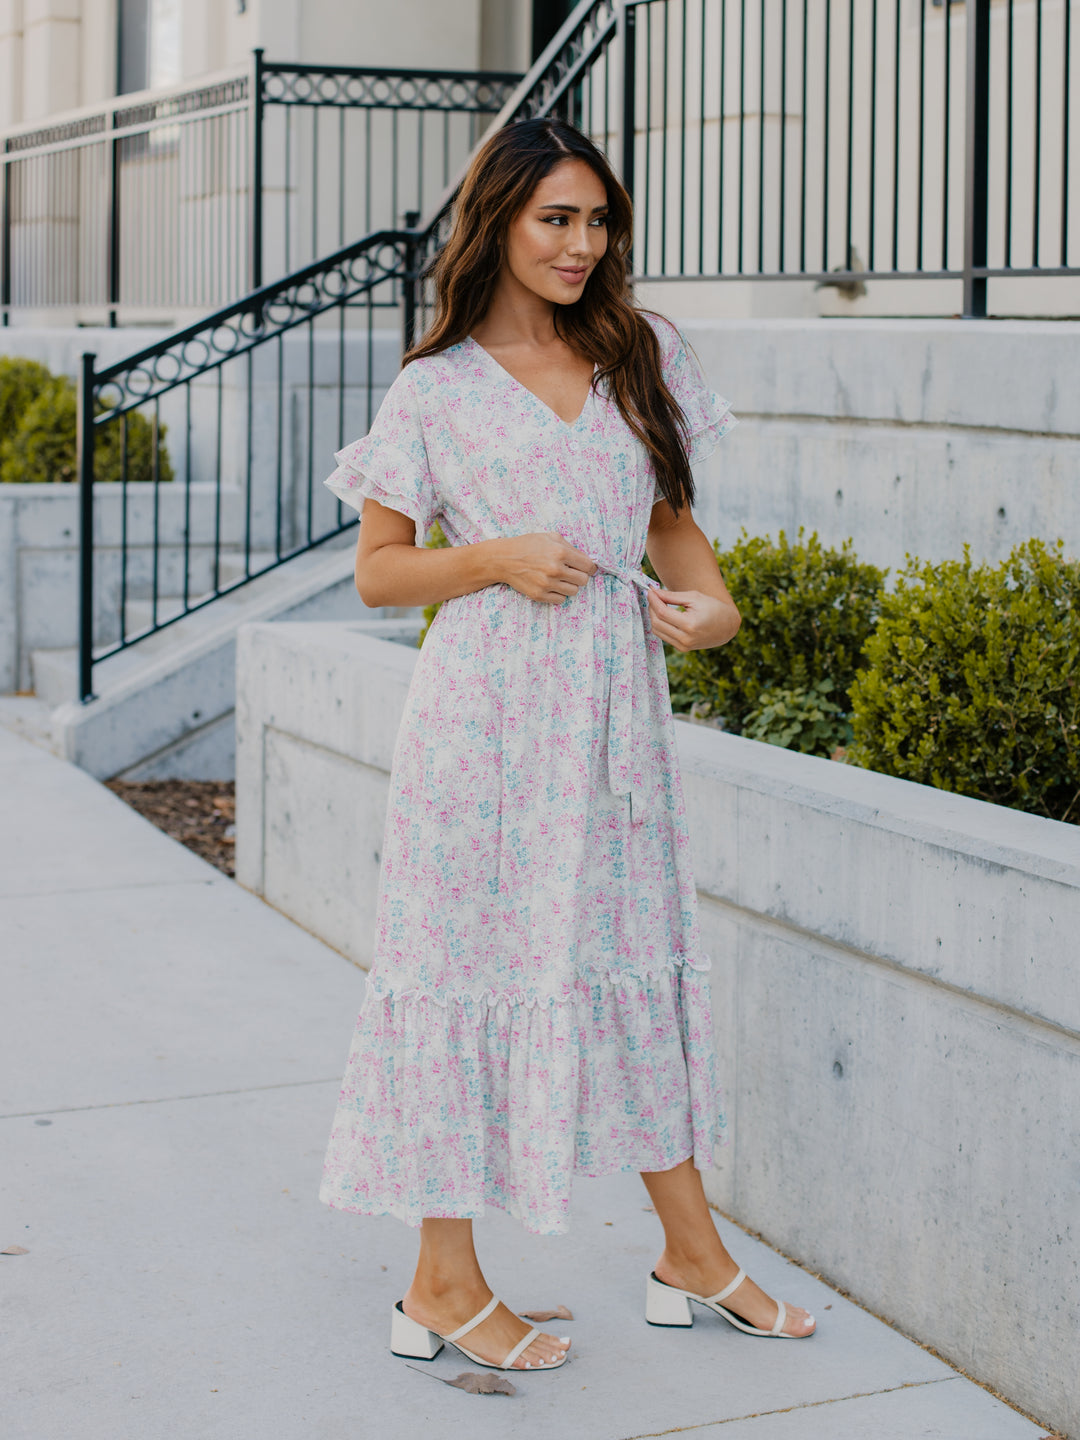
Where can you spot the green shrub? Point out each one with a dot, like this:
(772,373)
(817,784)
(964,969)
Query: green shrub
(41,446)
(972,682)
(436,540)
(803,719)
(21,382)
(807,613)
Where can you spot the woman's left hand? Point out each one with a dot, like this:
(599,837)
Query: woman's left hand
(703,621)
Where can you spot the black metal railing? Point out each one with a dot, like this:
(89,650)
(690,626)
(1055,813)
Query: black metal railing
(838,142)
(183,201)
(833,142)
(345,151)
(246,407)
(250,403)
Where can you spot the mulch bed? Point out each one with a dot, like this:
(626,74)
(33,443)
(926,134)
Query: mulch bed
(201,814)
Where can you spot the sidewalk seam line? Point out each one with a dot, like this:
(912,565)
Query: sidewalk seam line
(112,886)
(170,1099)
(90,890)
(789,1409)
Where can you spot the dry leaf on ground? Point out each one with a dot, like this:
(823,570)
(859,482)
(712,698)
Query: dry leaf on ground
(474,1383)
(15,1250)
(540,1317)
(477,1384)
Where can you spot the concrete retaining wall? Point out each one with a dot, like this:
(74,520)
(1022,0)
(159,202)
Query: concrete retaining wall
(896,1004)
(913,436)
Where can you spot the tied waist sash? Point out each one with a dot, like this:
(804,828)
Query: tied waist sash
(631,744)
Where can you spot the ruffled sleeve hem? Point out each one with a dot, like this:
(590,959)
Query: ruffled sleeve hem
(373,469)
(708,419)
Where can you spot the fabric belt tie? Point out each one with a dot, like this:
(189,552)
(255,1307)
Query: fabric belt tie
(631,760)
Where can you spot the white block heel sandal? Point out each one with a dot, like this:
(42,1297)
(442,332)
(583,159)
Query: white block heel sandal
(413,1341)
(668,1305)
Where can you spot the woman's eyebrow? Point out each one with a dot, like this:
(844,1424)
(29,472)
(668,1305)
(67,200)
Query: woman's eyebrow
(574,209)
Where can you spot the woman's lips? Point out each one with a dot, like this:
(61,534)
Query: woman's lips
(571,276)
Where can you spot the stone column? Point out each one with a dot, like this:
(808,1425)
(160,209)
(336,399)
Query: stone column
(11,42)
(50,57)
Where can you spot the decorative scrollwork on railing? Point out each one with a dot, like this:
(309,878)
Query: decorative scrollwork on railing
(225,93)
(210,97)
(55,134)
(260,317)
(590,36)
(480,93)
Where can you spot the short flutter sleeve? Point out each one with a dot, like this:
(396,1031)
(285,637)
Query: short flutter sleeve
(390,463)
(708,415)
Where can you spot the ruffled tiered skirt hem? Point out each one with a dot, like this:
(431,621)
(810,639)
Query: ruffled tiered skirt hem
(452,1104)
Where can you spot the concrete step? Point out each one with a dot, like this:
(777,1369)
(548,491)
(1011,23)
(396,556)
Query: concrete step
(29,718)
(55,674)
(164,707)
(55,671)
(139,610)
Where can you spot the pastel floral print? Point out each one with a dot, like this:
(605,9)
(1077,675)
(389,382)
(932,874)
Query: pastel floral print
(538,1004)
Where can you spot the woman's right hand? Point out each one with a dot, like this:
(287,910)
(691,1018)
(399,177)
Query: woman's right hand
(544,567)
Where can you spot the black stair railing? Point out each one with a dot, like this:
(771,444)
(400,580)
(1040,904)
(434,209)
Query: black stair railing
(244,409)
(151,205)
(218,438)
(220,435)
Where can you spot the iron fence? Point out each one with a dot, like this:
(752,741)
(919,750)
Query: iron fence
(149,207)
(219,437)
(830,141)
(837,142)
(246,407)
(344,152)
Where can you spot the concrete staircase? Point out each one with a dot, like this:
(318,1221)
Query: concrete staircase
(54,669)
(164,708)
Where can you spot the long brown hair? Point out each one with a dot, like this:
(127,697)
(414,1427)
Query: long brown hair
(602,324)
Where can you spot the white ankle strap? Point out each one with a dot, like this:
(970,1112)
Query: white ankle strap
(476,1320)
(739,1278)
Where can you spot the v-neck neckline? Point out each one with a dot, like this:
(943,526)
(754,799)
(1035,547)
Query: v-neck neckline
(569,424)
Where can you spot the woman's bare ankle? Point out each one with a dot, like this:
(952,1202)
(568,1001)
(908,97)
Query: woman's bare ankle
(690,1268)
(429,1299)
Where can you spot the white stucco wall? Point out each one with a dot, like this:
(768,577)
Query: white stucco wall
(896,1011)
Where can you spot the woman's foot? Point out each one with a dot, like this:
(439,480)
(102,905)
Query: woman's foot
(494,1338)
(748,1302)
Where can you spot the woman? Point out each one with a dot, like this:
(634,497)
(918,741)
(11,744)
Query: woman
(538,1004)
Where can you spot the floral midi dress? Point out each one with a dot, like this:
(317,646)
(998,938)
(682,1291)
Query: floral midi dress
(538,1005)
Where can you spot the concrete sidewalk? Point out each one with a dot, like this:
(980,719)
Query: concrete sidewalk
(170,1050)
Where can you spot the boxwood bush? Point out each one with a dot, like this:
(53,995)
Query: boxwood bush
(807,613)
(21,382)
(37,432)
(972,682)
(434,540)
